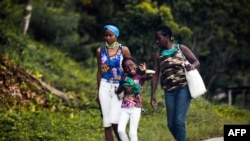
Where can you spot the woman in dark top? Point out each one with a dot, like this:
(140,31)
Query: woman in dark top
(169,67)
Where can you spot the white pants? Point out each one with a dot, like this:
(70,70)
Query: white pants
(132,114)
(110,104)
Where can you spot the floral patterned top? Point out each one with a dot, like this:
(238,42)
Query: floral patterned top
(111,68)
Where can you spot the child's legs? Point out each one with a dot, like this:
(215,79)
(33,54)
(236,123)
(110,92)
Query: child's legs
(134,122)
(124,117)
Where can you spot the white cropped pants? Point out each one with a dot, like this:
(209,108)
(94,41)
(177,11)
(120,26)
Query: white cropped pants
(110,104)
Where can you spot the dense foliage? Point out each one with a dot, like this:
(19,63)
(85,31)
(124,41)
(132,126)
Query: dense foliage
(59,52)
(217,32)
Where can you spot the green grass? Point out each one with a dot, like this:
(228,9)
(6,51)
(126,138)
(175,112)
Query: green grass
(204,120)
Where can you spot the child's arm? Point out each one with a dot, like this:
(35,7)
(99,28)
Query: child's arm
(125,89)
(119,89)
(146,77)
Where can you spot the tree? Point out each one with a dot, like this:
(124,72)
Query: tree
(26,16)
(220,39)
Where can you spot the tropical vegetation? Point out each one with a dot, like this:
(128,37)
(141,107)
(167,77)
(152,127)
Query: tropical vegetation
(48,65)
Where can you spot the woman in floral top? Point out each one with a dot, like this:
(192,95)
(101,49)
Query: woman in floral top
(109,58)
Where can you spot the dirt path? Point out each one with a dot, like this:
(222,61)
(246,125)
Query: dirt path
(215,139)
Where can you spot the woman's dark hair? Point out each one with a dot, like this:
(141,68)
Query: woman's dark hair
(165,31)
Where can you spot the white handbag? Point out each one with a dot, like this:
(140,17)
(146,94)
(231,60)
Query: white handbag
(195,82)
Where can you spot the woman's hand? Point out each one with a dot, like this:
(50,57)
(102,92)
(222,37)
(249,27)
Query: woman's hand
(189,67)
(153,103)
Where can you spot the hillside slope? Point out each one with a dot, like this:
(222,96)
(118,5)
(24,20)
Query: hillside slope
(18,86)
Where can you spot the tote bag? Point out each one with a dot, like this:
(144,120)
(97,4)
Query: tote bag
(195,82)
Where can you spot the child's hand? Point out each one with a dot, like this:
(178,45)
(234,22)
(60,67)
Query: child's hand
(116,90)
(143,67)
(128,90)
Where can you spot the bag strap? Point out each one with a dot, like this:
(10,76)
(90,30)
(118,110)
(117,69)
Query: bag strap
(183,56)
(185,61)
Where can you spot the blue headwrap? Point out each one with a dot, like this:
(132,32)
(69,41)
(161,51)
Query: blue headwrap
(113,29)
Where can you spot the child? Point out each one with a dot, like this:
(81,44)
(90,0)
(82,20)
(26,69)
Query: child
(130,87)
